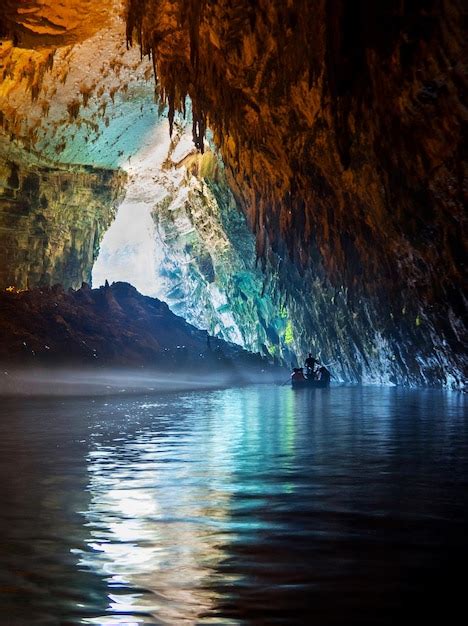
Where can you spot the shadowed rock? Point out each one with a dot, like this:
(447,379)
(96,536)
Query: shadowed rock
(114,325)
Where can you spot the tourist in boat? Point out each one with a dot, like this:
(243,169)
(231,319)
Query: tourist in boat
(297,374)
(324,374)
(310,364)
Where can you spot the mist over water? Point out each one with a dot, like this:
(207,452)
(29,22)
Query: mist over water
(69,381)
(255,505)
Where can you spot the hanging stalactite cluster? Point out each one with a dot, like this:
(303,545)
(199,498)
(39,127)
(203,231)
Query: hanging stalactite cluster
(234,62)
(301,98)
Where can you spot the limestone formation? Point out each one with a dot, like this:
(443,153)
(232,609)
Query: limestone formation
(52,220)
(67,123)
(341,128)
(340,132)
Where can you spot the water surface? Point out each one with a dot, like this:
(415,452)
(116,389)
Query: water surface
(242,506)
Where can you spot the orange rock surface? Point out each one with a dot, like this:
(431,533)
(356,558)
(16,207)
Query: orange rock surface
(47,23)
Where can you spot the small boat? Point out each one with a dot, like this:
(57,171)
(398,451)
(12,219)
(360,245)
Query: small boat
(310,383)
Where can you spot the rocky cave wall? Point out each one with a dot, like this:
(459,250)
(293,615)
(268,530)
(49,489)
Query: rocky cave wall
(52,220)
(71,113)
(207,264)
(180,237)
(341,126)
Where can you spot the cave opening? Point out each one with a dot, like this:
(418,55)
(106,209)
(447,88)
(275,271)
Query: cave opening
(156,242)
(128,250)
(178,235)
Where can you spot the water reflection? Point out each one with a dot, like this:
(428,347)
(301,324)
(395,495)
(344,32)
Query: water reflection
(247,506)
(159,515)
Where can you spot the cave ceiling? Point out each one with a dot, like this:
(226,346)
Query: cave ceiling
(321,111)
(340,122)
(50,24)
(83,99)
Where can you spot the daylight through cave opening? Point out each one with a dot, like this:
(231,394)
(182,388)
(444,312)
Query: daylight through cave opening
(160,243)
(179,236)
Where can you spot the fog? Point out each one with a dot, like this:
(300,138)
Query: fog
(113,381)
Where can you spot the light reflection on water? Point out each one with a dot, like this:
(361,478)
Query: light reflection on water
(255,505)
(159,511)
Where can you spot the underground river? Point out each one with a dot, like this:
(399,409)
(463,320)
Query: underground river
(254,505)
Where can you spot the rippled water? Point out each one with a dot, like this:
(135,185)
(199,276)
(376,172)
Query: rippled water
(243,506)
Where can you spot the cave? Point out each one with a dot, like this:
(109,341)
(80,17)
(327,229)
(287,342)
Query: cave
(217,185)
(300,168)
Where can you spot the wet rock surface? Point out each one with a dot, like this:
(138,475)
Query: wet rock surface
(113,326)
(52,219)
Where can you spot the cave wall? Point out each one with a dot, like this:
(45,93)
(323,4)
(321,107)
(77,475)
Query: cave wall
(207,265)
(341,126)
(75,104)
(179,236)
(52,220)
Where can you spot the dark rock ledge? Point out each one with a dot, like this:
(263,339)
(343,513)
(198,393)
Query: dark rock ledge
(115,326)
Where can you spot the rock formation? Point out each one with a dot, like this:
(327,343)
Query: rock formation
(179,237)
(112,326)
(65,115)
(339,127)
(52,220)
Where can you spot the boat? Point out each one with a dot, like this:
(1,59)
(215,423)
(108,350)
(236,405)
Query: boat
(310,383)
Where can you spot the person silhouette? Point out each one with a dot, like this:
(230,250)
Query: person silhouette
(324,374)
(310,364)
(297,374)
